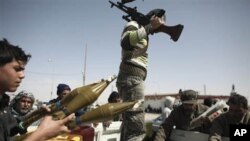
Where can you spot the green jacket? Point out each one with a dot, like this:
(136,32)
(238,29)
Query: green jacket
(134,43)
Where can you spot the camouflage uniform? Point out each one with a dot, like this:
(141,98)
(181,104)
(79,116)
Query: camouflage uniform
(180,119)
(220,126)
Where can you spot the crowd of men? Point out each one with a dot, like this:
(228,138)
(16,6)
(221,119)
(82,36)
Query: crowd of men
(130,85)
(180,117)
(183,116)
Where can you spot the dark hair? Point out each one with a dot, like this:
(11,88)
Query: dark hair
(113,95)
(237,99)
(157,12)
(9,52)
(208,101)
(61,88)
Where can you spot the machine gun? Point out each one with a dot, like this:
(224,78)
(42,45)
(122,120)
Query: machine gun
(173,31)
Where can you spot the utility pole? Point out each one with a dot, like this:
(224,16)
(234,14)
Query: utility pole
(85,64)
(205,91)
(52,77)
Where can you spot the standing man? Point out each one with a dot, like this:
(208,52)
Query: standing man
(168,107)
(133,72)
(238,114)
(62,90)
(12,64)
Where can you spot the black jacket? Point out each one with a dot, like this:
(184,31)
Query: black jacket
(8,124)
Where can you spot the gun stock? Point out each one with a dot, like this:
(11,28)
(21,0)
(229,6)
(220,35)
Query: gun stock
(173,31)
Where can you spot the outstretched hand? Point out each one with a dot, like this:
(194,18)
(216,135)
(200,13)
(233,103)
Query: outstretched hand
(53,128)
(50,128)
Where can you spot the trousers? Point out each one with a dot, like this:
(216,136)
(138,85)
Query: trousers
(131,88)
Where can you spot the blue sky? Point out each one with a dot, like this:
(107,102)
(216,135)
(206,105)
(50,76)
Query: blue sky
(213,50)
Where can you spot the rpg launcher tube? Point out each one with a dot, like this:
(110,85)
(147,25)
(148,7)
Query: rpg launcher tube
(36,115)
(105,112)
(76,99)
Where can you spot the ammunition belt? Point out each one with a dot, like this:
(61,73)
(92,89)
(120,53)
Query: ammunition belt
(133,69)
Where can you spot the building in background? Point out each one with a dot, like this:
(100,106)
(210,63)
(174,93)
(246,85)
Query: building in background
(154,103)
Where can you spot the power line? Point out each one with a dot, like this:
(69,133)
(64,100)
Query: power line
(46,73)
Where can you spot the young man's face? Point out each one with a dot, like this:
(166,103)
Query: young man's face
(11,75)
(24,105)
(236,111)
(116,100)
(64,93)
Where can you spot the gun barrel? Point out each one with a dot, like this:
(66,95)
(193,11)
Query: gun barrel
(126,1)
(112,4)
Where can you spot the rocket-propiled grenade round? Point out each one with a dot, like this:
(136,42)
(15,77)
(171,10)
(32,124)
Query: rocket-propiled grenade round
(84,96)
(105,112)
(76,99)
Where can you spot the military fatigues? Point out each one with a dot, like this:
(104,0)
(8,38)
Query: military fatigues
(8,124)
(180,120)
(220,126)
(131,77)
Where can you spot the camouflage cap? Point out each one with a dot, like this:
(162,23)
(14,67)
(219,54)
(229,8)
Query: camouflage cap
(188,96)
